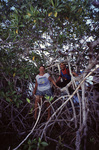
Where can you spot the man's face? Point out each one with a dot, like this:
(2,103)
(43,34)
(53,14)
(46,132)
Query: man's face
(41,69)
(62,66)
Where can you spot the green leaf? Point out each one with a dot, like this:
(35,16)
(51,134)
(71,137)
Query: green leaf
(29,141)
(26,76)
(31,8)
(21,25)
(17,104)
(47,97)
(13,92)
(44,144)
(23,6)
(20,101)
(51,99)
(28,100)
(34,141)
(52,3)
(39,140)
(3,94)
(30,148)
(31,110)
(8,99)
(73,8)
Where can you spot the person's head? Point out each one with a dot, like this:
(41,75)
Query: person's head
(62,66)
(42,69)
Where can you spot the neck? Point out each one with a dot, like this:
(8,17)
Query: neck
(63,69)
(41,73)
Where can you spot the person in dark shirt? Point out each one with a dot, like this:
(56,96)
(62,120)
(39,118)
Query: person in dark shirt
(65,75)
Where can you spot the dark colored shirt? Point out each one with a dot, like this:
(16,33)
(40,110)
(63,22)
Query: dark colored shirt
(65,74)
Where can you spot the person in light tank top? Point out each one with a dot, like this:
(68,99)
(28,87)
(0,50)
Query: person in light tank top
(42,88)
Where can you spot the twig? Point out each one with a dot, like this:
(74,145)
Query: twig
(65,145)
(31,130)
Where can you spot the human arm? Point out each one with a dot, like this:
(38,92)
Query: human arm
(75,74)
(58,79)
(34,91)
(51,80)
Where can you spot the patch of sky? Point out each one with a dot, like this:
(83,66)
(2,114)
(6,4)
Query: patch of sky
(12,8)
(94,8)
(89,80)
(4,0)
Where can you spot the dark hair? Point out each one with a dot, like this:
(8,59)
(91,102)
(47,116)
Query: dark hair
(42,66)
(62,63)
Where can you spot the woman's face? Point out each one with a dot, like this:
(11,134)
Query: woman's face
(41,69)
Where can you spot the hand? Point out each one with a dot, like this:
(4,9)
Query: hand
(57,87)
(64,78)
(33,94)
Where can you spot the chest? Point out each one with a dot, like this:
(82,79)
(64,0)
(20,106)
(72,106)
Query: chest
(42,80)
(65,71)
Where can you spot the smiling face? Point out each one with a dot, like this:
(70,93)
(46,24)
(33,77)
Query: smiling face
(62,66)
(42,70)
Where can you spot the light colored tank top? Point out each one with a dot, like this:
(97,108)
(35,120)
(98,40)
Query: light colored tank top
(43,82)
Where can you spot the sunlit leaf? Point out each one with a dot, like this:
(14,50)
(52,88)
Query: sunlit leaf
(33,58)
(29,14)
(47,97)
(55,14)
(28,100)
(14,75)
(16,31)
(50,14)
(34,21)
(51,98)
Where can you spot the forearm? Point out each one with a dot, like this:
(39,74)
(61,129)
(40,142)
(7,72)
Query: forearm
(58,79)
(34,91)
(75,74)
(53,82)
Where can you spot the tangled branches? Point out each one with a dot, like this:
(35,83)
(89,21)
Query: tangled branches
(68,118)
(73,115)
